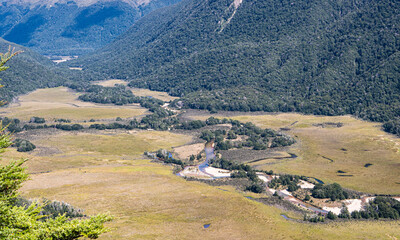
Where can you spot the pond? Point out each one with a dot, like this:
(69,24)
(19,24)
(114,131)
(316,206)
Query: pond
(206,225)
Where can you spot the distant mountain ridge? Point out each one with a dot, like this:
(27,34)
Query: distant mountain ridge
(313,56)
(80,3)
(70,27)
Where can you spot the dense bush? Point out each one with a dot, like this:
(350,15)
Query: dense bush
(257,138)
(229,165)
(37,120)
(68,127)
(331,215)
(289,181)
(62,120)
(333,191)
(392,126)
(23,145)
(381,207)
(256,188)
(13,124)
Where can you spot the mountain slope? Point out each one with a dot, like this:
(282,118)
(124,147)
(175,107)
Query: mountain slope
(73,27)
(322,57)
(28,71)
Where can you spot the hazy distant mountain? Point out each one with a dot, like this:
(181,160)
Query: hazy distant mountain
(70,27)
(80,3)
(28,71)
(313,56)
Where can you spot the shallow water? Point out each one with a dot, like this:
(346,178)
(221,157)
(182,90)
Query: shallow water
(209,155)
(319,181)
(285,217)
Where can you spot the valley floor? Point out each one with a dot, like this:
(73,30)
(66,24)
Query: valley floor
(105,171)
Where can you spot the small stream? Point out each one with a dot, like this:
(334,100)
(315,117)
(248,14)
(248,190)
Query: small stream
(285,217)
(318,181)
(209,149)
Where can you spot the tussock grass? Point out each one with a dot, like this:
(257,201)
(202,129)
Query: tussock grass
(364,142)
(60,102)
(134,144)
(62,150)
(141,92)
(104,171)
(151,203)
(111,82)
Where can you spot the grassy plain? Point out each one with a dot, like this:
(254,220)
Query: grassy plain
(103,171)
(111,82)
(151,203)
(322,152)
(59,149)
(61,102)
(141,92)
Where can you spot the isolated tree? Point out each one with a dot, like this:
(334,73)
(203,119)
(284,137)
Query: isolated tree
(331,215)
(25,222)
(344,213)
(307,198)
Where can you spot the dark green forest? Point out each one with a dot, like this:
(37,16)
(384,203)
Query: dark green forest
(29,71)
(316,57)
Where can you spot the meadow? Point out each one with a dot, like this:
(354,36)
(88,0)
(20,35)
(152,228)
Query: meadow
(105,171)
(149,202)
(334,154)
(140,92)
(61,102)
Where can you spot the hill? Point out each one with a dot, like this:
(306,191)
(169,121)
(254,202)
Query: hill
(28,71)
(321,57)
(73,27)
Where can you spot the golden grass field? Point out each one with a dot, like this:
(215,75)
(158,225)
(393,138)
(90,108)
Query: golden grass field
(104,171)
(141,92)
(61,102)
(364,142)
(59,150)
(148,202)
(111,82)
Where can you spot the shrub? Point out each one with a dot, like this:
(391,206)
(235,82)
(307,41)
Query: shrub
(23,145)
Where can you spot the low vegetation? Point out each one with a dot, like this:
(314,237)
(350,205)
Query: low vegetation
(287,181)
(333,191)
(23,145)
(51,209)
(253,136)
(350,148)
(378,208)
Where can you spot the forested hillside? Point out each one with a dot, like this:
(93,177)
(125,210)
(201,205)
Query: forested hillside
(29,71)
(321,56)
(60,27)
